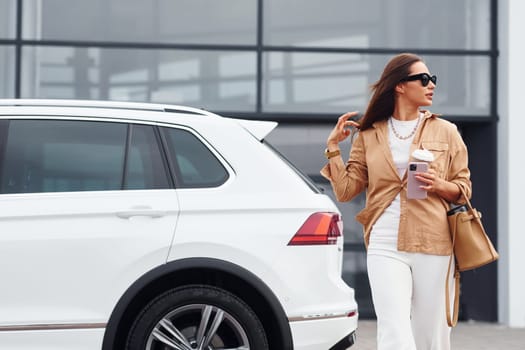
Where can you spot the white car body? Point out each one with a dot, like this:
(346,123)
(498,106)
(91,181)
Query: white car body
(71,262)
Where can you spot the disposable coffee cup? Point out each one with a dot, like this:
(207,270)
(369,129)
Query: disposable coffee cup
(423,155)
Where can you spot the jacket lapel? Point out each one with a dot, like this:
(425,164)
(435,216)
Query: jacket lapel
(381,129)
(416,143)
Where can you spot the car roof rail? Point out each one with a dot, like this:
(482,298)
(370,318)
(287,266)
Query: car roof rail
(105,104)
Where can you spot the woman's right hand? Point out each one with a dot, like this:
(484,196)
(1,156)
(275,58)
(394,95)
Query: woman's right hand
(342,129)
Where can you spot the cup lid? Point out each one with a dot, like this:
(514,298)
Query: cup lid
(423,155)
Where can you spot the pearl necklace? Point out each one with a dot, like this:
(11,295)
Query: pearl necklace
(404,137)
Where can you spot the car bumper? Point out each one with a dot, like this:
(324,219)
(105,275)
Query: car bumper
(345,343)
(335,333)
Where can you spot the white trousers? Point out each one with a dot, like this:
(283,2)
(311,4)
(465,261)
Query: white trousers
(408,291)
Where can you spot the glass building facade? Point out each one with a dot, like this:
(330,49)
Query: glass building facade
(299,62)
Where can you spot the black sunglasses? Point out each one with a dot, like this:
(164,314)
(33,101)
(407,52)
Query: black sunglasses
(424,77)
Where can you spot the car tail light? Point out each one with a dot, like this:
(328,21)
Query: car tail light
(319,228)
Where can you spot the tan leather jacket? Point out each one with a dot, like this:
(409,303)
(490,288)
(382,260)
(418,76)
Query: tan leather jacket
(423,225)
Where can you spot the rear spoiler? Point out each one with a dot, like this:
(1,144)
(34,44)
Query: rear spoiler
(258,128)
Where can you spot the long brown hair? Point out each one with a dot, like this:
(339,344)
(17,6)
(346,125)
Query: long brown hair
(382,102)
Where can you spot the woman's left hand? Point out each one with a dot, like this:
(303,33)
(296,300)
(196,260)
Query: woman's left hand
(434,184)
(431,180)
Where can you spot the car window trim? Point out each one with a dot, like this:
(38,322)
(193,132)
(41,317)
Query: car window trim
(164,149)
(160,148)
(127,149)
(175,172)
(4,132)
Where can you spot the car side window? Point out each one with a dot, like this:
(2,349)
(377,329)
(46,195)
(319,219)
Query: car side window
(60,155)
(63,156)
(195,164)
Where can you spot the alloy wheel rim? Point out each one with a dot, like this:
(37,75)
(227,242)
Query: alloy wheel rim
(198,327)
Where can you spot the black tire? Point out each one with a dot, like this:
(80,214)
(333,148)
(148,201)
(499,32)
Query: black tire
(182,310)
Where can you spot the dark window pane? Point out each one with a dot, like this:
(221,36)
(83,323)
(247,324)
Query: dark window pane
(429,24)
(218,80)
(314,82)
(145,168)
(335,83)
(196,165)
(164,21)
(7,19)
(7,76)
(58,156)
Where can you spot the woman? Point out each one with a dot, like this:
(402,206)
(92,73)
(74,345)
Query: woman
(408,240)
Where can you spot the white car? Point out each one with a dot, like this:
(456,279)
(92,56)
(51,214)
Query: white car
(146,226)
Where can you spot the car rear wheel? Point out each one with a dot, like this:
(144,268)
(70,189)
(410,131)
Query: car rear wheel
(197,317)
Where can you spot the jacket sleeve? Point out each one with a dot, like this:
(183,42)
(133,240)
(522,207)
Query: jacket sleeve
(459,172)
(351,179)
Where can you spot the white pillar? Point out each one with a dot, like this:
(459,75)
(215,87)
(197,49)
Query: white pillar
(511,163)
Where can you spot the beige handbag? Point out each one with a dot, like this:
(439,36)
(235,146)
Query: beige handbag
(472,248)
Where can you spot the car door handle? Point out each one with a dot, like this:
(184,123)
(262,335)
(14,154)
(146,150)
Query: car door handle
(140,211)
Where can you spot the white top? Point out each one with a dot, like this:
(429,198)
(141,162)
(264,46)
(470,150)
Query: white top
(384,232)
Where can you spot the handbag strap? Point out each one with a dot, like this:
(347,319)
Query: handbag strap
(464,195)
(452,321)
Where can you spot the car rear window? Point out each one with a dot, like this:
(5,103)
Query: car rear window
(195,165)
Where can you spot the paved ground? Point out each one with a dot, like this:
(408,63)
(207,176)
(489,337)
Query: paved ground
(465,336)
